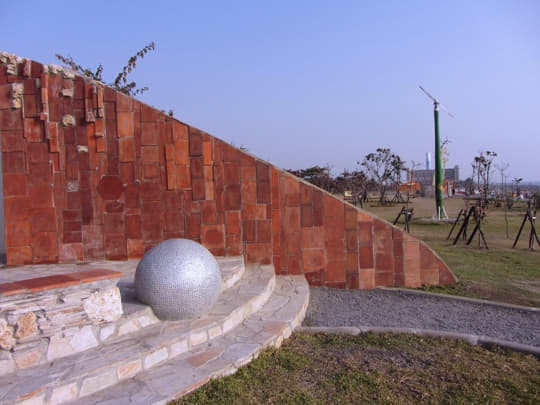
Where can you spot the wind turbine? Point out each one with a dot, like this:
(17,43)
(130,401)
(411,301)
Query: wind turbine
(439,188)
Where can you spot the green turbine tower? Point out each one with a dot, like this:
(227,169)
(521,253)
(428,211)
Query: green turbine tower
(439,175)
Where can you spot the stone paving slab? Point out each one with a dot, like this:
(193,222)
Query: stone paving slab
(140,349)
(231,269)
(274,322)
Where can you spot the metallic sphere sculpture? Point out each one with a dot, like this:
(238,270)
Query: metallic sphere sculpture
(179,279)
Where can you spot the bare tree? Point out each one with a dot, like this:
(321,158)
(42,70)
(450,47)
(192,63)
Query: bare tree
(398,167)
(483,166)
(381,166)
(355,182)
(503,167)
(414,166)
(316,175)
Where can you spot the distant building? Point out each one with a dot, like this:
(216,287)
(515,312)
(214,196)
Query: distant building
(426,178)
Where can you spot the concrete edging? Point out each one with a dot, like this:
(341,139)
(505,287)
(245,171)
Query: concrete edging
(460,298)
(474,340)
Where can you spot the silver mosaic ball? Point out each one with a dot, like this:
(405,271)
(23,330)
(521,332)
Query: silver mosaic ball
(179,279)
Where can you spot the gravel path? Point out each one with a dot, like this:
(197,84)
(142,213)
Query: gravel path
(333,307)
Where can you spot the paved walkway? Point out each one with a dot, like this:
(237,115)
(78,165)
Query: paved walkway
(390,308)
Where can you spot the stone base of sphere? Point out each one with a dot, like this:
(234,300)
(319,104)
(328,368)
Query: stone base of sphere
(179,279)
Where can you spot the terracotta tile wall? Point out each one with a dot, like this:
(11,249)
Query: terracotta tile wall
(90,174)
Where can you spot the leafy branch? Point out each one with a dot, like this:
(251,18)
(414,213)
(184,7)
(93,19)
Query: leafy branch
(121,83)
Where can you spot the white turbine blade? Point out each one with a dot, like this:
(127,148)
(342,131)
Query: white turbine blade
(427,94)
(446,109)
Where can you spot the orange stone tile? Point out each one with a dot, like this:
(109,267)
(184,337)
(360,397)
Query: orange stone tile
(125,121)
(351,221)
(306,215)
(334,228)
(353,280)
(313,238)
(19,255)
(200,359)
(429,276)
(335,271)
(363,216)
(366,279)
(335,250)
(87,276)
(259,253)
(291,218)
(366,257)
(352,241)
(427,258)
(306,191)
(313,260)
(48,283)
(353,261)
(384,262)
(248,173)
(11,289)
(293,265)
(213,236)
(385,279)
(254,211)
(181,152)
(446,277)
(207,152)
(333,207)
(249,192)
(264,232)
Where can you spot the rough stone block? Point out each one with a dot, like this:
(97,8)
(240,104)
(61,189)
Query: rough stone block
(7,341)
(26,326)
(104,306)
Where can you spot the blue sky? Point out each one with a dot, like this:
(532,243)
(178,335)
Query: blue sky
(300,83)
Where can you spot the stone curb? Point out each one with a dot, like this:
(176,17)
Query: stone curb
(460,298)
(474,340)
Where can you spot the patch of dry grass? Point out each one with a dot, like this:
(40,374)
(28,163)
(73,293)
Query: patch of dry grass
(393,369)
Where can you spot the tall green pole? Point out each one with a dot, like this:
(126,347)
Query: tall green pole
(439,189)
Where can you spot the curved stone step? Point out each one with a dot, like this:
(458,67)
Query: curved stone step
(124,356)
(138,315)
(275,321)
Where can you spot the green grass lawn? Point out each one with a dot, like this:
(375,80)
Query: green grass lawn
(382,369)
(499,273)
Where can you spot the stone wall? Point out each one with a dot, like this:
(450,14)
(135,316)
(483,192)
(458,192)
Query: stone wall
(90,174)
(46,318)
